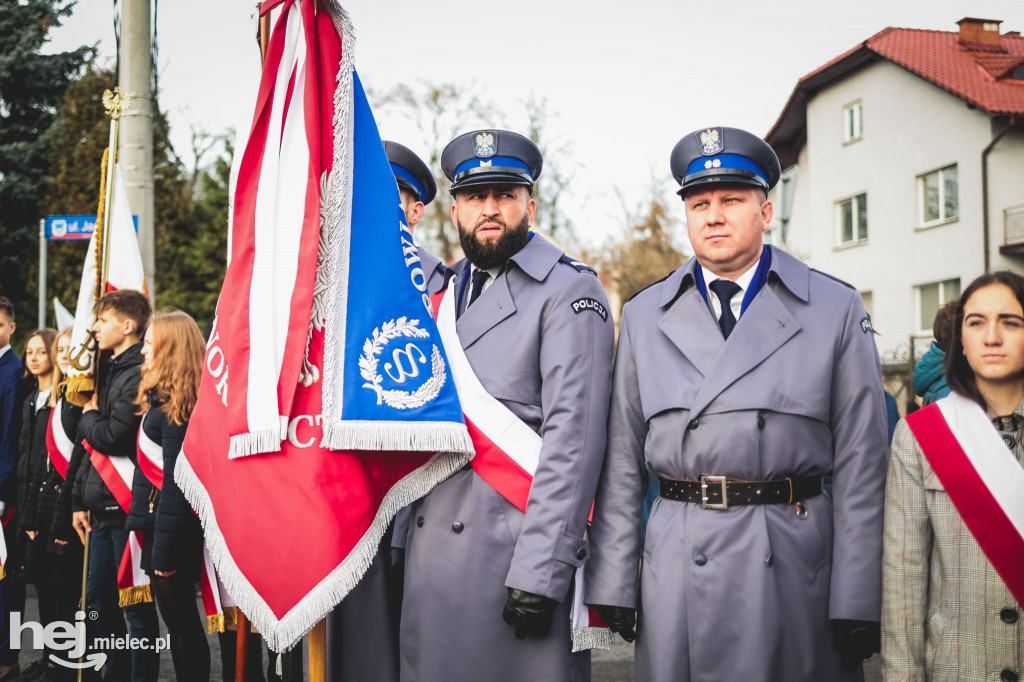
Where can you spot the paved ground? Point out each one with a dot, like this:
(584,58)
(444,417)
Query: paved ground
(608,666)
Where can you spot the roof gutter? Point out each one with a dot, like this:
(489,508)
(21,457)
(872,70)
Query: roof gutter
(984,191)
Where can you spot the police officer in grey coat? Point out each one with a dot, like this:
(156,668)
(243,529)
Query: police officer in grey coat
(416,188)
(487,587)
(741,381)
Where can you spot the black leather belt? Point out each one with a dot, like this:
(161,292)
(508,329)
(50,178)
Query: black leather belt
(719,492)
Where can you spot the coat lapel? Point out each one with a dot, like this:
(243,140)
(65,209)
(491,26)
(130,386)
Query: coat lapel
(690,325)
(761,330)
(493,306)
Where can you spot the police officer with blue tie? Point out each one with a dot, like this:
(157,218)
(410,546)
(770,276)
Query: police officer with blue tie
(488,588)
(742,380)
(417,189)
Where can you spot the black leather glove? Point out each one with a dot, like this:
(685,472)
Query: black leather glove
(856,640)
(530,613)
(621,620)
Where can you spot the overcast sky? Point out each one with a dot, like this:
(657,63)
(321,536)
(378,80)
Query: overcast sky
(623,81)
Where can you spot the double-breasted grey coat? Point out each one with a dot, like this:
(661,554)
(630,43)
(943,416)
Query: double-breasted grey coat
(745,592)
(549,362)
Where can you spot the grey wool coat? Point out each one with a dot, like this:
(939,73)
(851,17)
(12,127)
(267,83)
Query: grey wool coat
(550,364)
(795,390)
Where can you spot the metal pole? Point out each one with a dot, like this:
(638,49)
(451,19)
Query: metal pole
(42,275)
(137,137)
(108,201)
(85,582)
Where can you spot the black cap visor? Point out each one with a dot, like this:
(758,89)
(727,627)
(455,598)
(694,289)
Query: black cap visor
(491,175)
(735,176)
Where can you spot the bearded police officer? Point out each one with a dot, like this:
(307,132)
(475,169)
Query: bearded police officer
(487,586)
(742,380)
(417,189)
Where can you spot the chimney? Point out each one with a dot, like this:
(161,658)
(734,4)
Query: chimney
(980,34)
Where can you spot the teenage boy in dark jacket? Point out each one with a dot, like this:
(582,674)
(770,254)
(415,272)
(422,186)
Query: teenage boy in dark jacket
(110,426)
(12,395)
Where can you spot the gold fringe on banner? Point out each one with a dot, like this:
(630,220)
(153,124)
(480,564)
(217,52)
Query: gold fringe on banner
(134,595)
(3,572)
(219,622)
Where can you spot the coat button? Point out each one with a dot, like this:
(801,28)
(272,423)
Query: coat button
(457,527)
(700,558)
(419,521)
(769,560)
(1008,675)
(1009,615)
(760,421)
(581,553)
(694,423)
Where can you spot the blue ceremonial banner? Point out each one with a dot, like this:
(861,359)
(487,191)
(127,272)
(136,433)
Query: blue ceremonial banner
(397,390)
(69,227)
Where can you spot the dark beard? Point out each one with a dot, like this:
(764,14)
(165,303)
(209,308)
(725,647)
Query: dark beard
(493,254)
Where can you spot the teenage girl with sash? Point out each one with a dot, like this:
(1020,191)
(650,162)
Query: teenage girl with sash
(953,559)
(172,548)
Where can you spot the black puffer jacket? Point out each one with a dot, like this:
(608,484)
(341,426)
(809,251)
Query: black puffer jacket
(177,533)
(111,430)
(48,507)
(33,458)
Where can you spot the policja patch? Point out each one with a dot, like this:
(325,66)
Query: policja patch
(579,305)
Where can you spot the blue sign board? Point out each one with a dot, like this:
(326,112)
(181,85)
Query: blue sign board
(64,227)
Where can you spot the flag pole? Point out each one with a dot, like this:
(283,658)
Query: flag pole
(116,104)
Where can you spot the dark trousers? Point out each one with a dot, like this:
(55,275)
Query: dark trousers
(12,592)
(176,598)
(106,546)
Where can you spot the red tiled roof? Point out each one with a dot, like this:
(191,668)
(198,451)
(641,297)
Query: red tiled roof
(976,76)
(971,75)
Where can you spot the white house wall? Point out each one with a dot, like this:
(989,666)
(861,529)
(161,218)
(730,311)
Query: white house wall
(910,127)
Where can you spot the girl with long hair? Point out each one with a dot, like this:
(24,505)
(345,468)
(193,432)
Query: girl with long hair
(50,563)
(953,577)
(172,549)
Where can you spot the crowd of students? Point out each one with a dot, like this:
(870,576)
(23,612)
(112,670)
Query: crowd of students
(54,507)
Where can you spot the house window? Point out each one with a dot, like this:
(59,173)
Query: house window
(930,297)
(852,218)
(853,122)
(867,299)
(938,196)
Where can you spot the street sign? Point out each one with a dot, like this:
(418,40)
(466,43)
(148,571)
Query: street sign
(65,227)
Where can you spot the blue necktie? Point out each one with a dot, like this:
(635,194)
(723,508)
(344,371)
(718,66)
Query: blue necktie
(725,290)
(479,278)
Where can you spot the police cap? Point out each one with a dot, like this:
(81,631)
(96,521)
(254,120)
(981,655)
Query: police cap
(491,157)
(724,155)
(411,174)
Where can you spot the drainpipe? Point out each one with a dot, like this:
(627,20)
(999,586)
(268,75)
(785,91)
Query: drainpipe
(984,190)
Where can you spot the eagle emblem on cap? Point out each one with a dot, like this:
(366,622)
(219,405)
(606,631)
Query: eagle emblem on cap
(483,144)
(710,141)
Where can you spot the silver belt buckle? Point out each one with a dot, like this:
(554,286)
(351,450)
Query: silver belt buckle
(720,480)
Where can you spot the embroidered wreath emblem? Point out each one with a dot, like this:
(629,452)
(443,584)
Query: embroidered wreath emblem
(396,398)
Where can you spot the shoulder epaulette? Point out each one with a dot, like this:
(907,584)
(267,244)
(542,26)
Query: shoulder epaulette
(649,286)
(580,267)
(834,279)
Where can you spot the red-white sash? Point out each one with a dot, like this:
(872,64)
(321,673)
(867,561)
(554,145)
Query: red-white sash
(8,515)
(507,455)
(58,444)
(132,581)
(220,608)
(117,472)
(150,457)
(982,477)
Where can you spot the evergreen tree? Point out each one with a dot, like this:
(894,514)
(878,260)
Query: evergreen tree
(32,87)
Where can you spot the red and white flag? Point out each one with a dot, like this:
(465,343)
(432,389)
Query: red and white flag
(7,516)
(220,609)
(124,272)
